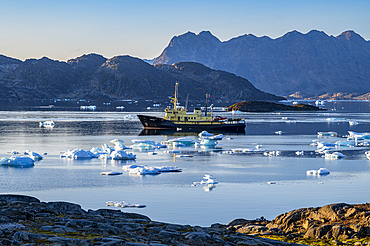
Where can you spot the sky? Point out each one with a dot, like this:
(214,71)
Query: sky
(66,29)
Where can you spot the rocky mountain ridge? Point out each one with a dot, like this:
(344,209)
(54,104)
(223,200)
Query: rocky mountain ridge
(308,65)
(122,77)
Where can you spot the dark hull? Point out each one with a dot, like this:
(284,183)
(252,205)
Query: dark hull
(155,123)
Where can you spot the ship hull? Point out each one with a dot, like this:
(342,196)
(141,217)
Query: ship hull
(156,123)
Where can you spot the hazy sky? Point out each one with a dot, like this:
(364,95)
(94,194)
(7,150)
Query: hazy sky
(65,29)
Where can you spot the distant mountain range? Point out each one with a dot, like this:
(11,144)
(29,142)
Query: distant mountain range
(122,77)
(312,65)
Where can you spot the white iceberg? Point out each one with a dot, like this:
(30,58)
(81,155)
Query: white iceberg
(118,144)
(185,141)
(143,169)
(121,155)
(78,154)
(48,123)
(321,171)
(123,204)
(33,155)
(353,123)
(91,107)
(279,132)
(365,135)
(327,134)
(110,173)
(334,155)
(17,161)
(205,134)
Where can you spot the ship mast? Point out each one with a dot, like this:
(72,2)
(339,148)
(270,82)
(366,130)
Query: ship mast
(174,100)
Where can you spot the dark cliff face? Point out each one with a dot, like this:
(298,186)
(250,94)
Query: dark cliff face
(307,64)
(122,77)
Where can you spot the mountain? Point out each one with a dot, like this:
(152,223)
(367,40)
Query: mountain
(122,77)
(301,65)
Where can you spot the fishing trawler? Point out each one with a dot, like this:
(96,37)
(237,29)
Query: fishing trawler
(179,118)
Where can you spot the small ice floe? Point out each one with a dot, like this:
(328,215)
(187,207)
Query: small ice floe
(186,141)
(118,144)
(299,152)
(345,143)
(318,102)
(121,155)
(365,135)
(272,153)
(152,153)
(279,132)
(209,182)
(110,173)
(323,150)
(327,134)
(334,155)
(290,121)
(271,182)
(228,138)
(182,156)
(48,123)
(146,170)
(78,154)
(17,161)
(123,204)
(33,155)
(325,144)
(321,171)
(146,144)
(335,119)
(353,123)
(120,107)
(205,134)
(130,117)
(367,153)
(91,107)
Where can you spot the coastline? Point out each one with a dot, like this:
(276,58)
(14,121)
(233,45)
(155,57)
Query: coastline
(28,221)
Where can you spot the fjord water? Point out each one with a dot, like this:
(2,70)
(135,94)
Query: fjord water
(243,190)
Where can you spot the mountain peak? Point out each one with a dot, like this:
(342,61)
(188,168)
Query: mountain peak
(350,35)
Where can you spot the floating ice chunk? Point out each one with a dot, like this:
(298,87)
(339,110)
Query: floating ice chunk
(110,173)
(123,204)
(272,153)
(91,107)
(290,121)
(207,142)
(353,123)
(327,134)
(78,154)
(279,132)
(118,144)
(152,153)
(130,117)
(121,155)
(325,144)
(143,141)
(271,182)
(48,123)
(144,171)
(98,151)
(205,134)
(120,107)
(345,143)
(365,135)
(299,152)
(321,171)
(185,140)
(182,156)
(33,155)
(17,161)
(334,155)
(335,119)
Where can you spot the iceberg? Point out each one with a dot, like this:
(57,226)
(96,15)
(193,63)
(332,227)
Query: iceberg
(91,107)
(278,132)
(123,204)
(143,169)
(118,144)
(321,171)
(33,155)
(365,135)
(334,155)
(185,141)
(78,154)
(205,134)
(48,123)
(121,155)
(110,173)
(17,161)
(353,123)
(327,134)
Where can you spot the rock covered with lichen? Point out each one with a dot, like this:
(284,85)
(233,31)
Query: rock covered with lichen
(26,220)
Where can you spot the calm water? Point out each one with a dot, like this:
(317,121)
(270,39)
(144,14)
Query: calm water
(242,191)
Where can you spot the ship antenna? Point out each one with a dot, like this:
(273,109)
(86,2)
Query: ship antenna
(186,105)
(206,105)
(175,98)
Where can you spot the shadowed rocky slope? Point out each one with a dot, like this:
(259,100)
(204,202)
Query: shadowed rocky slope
(305,65)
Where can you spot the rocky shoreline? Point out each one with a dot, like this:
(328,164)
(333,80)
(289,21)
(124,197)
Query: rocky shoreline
(26,220)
